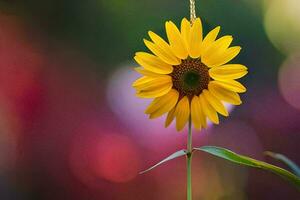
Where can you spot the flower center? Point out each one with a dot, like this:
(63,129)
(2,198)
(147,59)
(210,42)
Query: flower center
(190,78)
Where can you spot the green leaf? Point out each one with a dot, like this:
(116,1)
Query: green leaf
(285,160)
(244,160)
(171,157)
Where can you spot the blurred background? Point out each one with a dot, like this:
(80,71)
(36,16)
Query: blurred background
(72,129)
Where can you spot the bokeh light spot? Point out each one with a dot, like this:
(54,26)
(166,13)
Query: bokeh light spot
(282,24)
(289,80)
(117,158)
(98,155)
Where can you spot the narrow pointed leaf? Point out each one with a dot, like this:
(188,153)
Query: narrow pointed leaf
(171,157)
(285,160)
(244,160)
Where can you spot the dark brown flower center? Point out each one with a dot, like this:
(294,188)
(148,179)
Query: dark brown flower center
(190,78)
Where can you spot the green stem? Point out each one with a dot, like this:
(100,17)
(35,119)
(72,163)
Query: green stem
(189,142)
(189,161)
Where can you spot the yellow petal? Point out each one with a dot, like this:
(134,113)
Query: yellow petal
(182,113)
(161,101)
(216,50)
(145,72)
(226,72)
(185,31)
(142,80)
(232,85)
(146,83)
(224,94)
(170,117)
(163,54)
(202,116)
(228,55)
(208,110)
(209,39)
(215,103)
(195,39)
(154,92)
(153,63)
(162,105)
(176,42)
(196,112)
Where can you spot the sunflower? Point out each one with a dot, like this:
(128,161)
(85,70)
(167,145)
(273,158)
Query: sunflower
(189,77)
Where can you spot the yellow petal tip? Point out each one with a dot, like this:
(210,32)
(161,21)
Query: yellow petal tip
(167,124)
(239,103)
(179,129)
(151,117)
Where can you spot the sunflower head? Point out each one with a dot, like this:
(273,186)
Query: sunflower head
(188,76)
